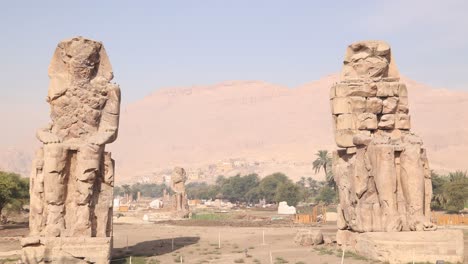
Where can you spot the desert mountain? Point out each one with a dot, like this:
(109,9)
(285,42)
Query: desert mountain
(253,126)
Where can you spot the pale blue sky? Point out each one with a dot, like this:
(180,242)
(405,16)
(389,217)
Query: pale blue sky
(155,44)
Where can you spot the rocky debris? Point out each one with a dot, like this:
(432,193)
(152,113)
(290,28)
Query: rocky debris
(308,237)
(72,176)
(405,247)
(381,170)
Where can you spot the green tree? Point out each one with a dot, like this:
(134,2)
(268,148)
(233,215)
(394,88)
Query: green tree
(220,180)
(450,192)
(314,185)
(323,161)
(118,191)
(14,190)
(456,191)
(288,192)
(302,182)
(254,194)
(269,185)
(439,199)
(201,190)
(326,195)
(235,188)
(127,190)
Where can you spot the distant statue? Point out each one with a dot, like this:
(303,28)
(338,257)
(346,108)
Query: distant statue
(179,177)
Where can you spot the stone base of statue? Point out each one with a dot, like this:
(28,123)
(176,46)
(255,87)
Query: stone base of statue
(74,250)
(405,247)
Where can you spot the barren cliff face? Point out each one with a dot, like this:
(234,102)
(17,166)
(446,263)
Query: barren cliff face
(262,127)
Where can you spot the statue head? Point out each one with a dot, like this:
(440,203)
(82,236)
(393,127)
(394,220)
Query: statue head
(368,59)
(82,57)
(77,60)
(178,175)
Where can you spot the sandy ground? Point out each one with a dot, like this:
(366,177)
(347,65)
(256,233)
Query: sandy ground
(200,244)
(195,242)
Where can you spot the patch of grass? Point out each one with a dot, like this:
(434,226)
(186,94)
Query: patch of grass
(257,261)
(251,247)
(324,251)
(178,258)
(280,260)
(300,262)
(210,216)
(9,260)
(239,261)
(135,260)
(427,262)
(350,254)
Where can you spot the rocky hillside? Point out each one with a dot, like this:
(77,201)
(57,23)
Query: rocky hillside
(254,126)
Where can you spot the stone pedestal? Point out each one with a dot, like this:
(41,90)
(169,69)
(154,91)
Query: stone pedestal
(74,250)
(405,247)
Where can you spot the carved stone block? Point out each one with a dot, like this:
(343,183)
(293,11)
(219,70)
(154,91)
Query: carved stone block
(374,105)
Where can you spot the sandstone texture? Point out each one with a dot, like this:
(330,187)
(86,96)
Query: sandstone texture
(405,247)
(74,250)
(73,176)
(381,170)
(307,237)
(179,177)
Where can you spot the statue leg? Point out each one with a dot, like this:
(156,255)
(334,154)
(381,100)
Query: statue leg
(382,158)
(36,215)
(88,165)
(413,186)
(55,177)
(103,207)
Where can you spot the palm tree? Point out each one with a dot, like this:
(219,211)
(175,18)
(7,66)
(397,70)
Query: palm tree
(324,161)
(302,181)
(127,190)
(457,176)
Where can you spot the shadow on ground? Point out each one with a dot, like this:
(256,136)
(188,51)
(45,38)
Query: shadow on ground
(153,248)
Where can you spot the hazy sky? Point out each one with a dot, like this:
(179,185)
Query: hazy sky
(155,44)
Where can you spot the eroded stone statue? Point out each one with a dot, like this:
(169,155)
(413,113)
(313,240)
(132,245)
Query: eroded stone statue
(178,179)
(381,170)
(72,178)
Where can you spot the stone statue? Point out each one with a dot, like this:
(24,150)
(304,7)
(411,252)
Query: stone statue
(72,178)
(178,179)
(381,170)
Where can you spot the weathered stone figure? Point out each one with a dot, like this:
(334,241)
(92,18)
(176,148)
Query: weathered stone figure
(72,179)
(179,177)
(382,171)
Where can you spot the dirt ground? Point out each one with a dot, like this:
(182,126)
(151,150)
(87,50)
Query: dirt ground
(168,243)
(200,244)
(234,240)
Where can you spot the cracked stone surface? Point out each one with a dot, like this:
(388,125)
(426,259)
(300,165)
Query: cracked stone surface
(381,168)
(72,177)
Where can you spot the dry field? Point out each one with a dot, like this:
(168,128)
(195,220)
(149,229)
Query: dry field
(233,238)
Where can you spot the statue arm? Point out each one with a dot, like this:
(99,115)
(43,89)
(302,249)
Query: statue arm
(108,127)
(46,136)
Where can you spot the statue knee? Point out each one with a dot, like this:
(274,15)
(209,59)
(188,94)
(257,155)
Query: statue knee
(54,189)
(84,192)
